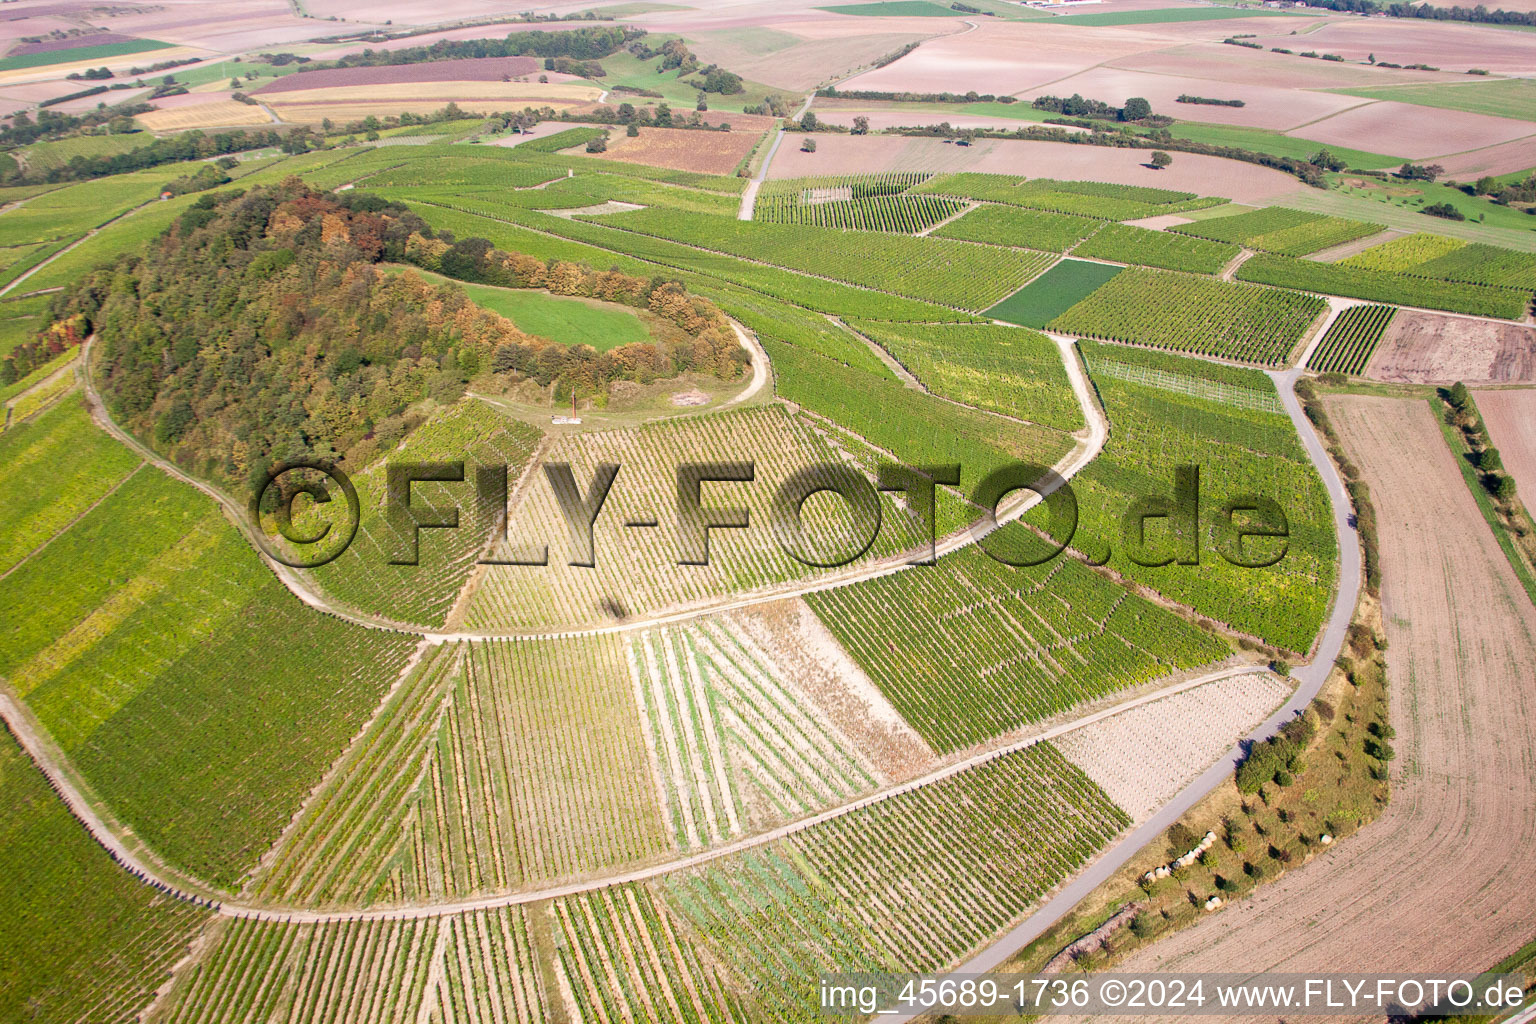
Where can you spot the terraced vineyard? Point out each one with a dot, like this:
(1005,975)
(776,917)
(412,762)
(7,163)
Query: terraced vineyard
(736,746)
(1383,286)
(1280,230)
(873,202)
(624,955)
(171,666)
(1025,229)
(940,270)
(1450,259)
(51,470)
(363,578)
(1351,340)
(1096,199)
(1125,243)
(484,772)
(1239,449)
(476,968)
(1194,314)
(640,571)
(89,942)
(1009,370)
(1000,647)
(959,860)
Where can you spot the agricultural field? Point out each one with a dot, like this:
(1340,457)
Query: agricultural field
(1385,286)
(1195,315)
(1054,292)
(737,747)
(1094,199)
(20,320)
(1125,243)
(1008,370)
(90,941)
(998,224)
(471,779)
(1280,230)
(1428,348)
(1242,444)
(570,321)
(1352,340)
(939,270)
(52,469)
(1144,755)
(76,54)
(367,576)
(47,156)
(685,149)
(120,634)
(853,202)
(213,114)
(1037,641)
(1450,259)
(959,861)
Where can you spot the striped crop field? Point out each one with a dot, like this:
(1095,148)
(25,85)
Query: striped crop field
(911,883)
(422,594)
(485,772)
(474,968)
(1000,647)
(737,747)
(1351,340)
(623,956)
(638,571)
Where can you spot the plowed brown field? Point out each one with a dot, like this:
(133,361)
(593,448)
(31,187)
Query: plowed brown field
(1446,878)
(1511,420)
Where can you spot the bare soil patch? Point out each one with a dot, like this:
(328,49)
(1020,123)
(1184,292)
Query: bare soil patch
(812,658)
(1445,45)
(1511,420)
(871,154)
(1445,875)
(1400,128)
(1162,222)
(1239,66)
(1505,158)
(1265,106)
(54,45)
(1427,348)
(1143,756)
(684,149)
(1004,57)
(899,117)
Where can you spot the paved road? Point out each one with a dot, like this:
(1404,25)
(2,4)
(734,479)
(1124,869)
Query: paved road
(1310,676)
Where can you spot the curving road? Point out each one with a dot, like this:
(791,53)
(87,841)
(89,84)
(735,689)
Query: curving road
(1311,677)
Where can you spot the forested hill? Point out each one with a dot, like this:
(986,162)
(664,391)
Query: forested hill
(261,327)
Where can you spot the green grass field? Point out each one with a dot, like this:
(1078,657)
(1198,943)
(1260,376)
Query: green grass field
(46,156)
(569,321)
(1053,293)
(81,53)
(1168,14)
(1500,97)
(897,9)
(1260,141)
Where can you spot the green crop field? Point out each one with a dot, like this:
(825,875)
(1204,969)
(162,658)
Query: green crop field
(74,54)
(960,860)
(1194,314)
(1038,641)
(87,940)
(21,319)
(901,214)
(1053,292)
(1125,243)
(1163,15)
(1450,259)
(1384,286)
(1097,199)
(562,140)
(567,320)
(1280,230)
(1005,369)
(123,634)
(47,156)
(1241,446)
(1499,97)
(1026,229)
(1351,340)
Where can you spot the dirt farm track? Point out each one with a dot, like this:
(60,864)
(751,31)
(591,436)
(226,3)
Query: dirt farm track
(1447,875)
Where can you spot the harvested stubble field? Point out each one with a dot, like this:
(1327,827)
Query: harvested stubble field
(475,69)
(213,114)
(684,149)
(1511,421)
(1427,348)
(1143,756)
(1444,874)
